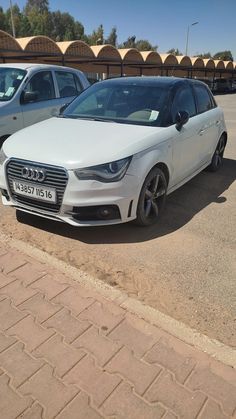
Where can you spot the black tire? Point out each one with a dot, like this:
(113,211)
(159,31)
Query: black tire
(217,159)
(152,198)
(2,139)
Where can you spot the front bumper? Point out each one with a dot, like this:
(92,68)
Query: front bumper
(84,194)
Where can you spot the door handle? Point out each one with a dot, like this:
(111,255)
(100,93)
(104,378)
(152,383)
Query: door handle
(217,122)
(201,132)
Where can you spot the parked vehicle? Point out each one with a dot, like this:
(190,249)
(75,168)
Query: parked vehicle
(30,93)
(115,153)
(222,85)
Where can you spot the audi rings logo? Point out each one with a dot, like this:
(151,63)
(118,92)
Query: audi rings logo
(32,173)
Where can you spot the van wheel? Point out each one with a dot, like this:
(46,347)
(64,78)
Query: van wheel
(152,198)
(217,159)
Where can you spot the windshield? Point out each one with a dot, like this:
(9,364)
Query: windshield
(10,80)
(134,103)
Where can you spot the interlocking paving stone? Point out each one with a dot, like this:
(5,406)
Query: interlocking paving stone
(19,364)
(79,408)
(184,402)
(9,315)
(72,299)
(31,333)
(126,404)
(49,391)
(93,380)
(136,371)
(12,404)
(67,325)
(205,380)
(59,354)
(101,347)
(164,354)
(40,307)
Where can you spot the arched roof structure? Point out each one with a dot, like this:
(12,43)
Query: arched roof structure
(75,49)
(105,57)
(208,63)
(9,45)
(169,59)
(151,57)
(39,45)
(184,60)
(131,55)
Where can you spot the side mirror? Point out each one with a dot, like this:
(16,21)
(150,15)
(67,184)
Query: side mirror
(181,118)
(27,97)
(63,108)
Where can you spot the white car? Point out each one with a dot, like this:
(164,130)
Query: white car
(30,93)
(115,152)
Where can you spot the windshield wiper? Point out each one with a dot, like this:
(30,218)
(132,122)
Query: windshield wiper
(89,118)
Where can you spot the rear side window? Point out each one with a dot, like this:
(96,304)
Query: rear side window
(42,84)
(183,101)
(68,84)
(204,100)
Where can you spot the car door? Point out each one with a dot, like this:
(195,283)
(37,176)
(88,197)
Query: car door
(185,146)
(210,121)
(44,104)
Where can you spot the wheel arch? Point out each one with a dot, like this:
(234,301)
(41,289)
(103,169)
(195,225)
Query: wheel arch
(225,135)
(164,169)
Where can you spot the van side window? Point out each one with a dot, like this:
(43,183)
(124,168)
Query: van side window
(67,84)
(42,84)
(204,102)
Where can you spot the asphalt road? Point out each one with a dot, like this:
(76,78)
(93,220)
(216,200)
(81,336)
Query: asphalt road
(185,266)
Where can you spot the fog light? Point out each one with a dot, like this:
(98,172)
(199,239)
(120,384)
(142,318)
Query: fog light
(96,213)
(104,212)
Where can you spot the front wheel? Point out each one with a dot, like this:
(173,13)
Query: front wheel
(217,159)
(152,198)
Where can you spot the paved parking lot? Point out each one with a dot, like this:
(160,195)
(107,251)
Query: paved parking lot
(184,267)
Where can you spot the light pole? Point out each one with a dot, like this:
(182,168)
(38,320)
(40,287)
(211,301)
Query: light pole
(12,21)
(192,24)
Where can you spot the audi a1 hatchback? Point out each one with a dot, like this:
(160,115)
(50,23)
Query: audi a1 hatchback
(115,152)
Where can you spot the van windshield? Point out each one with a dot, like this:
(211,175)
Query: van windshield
(10,80)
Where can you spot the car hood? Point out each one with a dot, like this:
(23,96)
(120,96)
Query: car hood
(76,143)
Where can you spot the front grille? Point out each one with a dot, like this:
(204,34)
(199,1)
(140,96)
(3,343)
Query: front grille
(56,177)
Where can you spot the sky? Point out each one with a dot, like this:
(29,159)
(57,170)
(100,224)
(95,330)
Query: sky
(163,23)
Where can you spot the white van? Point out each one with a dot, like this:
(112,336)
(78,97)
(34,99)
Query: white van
(30,93)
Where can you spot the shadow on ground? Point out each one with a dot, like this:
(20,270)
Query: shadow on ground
(181,207)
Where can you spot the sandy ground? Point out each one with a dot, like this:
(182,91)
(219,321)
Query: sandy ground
(185,266)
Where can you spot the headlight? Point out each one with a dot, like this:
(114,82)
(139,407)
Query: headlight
(108,172)
(3,157)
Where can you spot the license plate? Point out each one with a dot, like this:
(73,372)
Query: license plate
(34,191)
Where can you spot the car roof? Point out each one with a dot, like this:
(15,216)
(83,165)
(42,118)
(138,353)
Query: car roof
(26,66)
(151,80)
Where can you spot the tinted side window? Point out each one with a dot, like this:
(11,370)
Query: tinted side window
(204,102)
(183,101)
(66,84)
(42,84)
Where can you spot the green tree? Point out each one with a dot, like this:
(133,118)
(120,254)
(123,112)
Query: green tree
(3,25)
(112,38)
(97,36)
(129,43)
(41,6)
(174,51)
(144,45)
(224,55)
(204,55)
